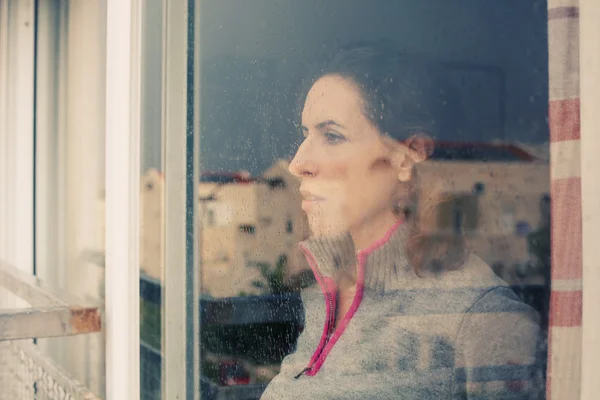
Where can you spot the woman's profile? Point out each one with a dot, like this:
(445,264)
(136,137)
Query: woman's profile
(398,311)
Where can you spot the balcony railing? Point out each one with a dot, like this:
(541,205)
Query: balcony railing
(236,313)
(36,311)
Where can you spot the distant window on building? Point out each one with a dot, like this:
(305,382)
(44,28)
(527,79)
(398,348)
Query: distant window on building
(266,221)
(523,228)
(498,268)
(210,217)
(248,229)
(457,220)
(459,213)
(545,199)
(479,188)
(545,209)
(545,205)
(222,256)
(275,183)
(289,226)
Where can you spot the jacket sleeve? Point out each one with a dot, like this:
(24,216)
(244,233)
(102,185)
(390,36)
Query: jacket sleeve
(498,347)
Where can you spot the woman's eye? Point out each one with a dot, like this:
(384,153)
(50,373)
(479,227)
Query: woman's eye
(333,138)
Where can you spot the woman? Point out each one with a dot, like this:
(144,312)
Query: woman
(398,312)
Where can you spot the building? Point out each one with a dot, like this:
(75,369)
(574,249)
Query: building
(494,194)
(247,224)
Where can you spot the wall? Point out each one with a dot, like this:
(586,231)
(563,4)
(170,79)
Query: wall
(513,193)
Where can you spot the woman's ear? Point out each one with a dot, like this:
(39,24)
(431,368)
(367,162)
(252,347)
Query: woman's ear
(405,155)
(421,147)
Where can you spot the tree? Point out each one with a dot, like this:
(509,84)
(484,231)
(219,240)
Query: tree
(273,279)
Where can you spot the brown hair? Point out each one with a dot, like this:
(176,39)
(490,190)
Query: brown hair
(404,96)
(427,249)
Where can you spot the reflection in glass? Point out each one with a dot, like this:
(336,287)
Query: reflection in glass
(151,204)
(482,182)
(405,306)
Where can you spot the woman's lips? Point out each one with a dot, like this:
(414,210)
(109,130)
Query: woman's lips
(309,199)
(308,203)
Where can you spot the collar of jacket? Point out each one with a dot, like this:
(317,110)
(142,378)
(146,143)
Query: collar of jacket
(382,266)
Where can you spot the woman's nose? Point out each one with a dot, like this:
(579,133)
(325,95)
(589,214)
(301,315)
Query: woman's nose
(304,164)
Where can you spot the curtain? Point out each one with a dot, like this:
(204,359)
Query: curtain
(564,334)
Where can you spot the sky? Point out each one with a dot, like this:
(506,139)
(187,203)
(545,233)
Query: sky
(253,54)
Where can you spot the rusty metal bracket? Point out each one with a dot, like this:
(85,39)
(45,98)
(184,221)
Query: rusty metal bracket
(50,313)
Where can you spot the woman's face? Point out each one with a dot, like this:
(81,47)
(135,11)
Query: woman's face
(347,180)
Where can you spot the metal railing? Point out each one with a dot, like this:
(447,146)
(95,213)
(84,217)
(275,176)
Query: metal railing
(237,312)
(226,312)
(25,372)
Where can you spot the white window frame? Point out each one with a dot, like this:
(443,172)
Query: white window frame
(180,294)
(123,172)
(17,48)
(123,68)
(51,137)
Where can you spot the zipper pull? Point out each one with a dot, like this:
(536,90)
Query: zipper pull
(302,373)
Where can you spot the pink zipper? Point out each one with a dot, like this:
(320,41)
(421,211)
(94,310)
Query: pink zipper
(328,286)
(329,289)
(344,323)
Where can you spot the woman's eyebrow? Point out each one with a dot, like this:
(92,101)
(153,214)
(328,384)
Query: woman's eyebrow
(323,124)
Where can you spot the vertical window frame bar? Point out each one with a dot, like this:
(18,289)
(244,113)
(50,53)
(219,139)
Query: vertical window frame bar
(122,235)
(180,299)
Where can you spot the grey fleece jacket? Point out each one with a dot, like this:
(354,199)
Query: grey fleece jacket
(460,334)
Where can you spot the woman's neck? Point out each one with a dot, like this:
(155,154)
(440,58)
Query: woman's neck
(365,235)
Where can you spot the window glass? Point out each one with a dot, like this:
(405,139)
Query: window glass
(152,200)
(405,145)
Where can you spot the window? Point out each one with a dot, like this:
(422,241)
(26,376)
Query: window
(479,188)
(210,217)
(248,229)
(265,221)
(52,218)
(139,160)
(492,98)
(276,182)
(459,214)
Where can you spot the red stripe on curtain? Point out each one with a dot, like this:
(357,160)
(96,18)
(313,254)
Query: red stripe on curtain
(563,12)
(566,228)
(566,308)
(563,118)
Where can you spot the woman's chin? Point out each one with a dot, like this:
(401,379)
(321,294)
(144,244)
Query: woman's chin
(319,227)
